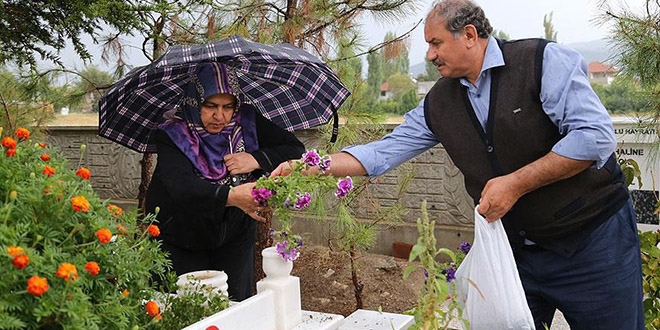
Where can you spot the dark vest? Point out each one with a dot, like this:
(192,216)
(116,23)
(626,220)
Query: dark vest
(557,216)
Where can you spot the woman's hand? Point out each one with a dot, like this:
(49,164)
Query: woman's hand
(240,163)
(241,197)
(284,169)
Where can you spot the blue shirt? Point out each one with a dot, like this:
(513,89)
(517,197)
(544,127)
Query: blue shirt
(566,96)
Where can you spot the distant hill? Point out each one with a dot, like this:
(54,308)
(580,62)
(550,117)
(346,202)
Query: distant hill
(595,50)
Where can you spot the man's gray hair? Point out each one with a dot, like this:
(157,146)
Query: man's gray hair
(457,14)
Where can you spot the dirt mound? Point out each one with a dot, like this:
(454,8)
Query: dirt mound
(326,284)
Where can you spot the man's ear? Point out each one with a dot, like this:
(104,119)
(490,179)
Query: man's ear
(470,34)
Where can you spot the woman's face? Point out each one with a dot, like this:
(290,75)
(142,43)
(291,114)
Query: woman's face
(216,112)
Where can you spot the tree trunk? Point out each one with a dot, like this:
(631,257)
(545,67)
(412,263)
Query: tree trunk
(146,167)
(357,284)
(263,241)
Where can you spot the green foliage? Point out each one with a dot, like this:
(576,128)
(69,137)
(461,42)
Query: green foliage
(436,307)
(431,74)
(27,101)
(375,75)
(56,218)
(50,219)
(649,242)
(179,311)
(34,27)
(549,28)
(623,96)
(630,170)
(499,34)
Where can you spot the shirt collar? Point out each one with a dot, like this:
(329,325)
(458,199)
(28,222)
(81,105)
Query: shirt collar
(492,59)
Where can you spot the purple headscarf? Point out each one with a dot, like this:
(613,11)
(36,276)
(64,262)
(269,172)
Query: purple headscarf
(185,127)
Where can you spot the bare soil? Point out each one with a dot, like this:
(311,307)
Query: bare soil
(326,284)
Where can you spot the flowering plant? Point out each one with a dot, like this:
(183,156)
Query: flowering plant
(304,188)
(70,260)
(437,307)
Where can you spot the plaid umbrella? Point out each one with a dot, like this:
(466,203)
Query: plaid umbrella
(289,86)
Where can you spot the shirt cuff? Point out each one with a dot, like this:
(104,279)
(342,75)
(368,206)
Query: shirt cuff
(369,159)
(580,145)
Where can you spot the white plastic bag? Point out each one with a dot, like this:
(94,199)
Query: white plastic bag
(489,288)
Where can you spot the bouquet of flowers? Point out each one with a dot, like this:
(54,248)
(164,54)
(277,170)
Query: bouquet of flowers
(306,185)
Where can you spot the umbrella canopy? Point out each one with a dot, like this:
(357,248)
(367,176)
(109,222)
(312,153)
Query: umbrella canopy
(289,86)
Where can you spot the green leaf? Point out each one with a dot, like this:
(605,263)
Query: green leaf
(408,270)
(416,250)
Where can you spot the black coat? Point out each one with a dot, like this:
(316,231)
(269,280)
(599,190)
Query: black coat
(192,211)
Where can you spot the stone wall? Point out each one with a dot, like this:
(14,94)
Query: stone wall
(431,176)
(116,175)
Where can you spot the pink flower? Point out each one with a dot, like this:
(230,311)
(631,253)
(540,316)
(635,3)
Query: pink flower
(261,195)
(311,158)
(302,201)
(289,254)
(344,186)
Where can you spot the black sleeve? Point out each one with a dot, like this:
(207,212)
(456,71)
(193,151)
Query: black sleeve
(180,180)
(276,145)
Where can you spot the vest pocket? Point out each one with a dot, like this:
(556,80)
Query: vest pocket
(570,208)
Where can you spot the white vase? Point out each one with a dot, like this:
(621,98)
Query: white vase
(274,264)
(211,280)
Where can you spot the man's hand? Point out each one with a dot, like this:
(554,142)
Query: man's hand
(501,193)
(498,197)
(240,163)
(241,197)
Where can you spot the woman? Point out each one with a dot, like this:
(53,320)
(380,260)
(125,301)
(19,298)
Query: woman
(210,152)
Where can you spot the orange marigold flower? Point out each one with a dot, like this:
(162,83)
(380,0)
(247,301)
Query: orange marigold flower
(125,293)
(14,250)
(92,268)
(20,261)
(37,286)
(80,204)
(48,170)
(121,230)
(22,133)
(45,157)
(104,235)
(8,143)
(42,145)
(152,308)
(10,152)
(115,210)
(84,173)
(67,271)
(153,230)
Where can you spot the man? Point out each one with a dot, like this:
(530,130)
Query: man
(535,145)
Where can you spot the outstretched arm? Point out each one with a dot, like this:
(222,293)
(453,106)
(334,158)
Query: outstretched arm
(343,164)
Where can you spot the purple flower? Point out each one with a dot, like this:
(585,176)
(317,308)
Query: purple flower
(311,158)
(450,273)
(261,195)
(302,201)
(465,247)
(344,186)
(298,240)
(282,249)
(324,165)
(287,203)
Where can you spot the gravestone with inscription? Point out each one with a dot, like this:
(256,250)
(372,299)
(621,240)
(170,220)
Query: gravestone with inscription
(638,142)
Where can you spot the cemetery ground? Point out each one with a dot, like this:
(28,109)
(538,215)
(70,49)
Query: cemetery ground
(326,285)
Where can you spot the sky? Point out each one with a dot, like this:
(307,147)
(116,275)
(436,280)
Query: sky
(572,19)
